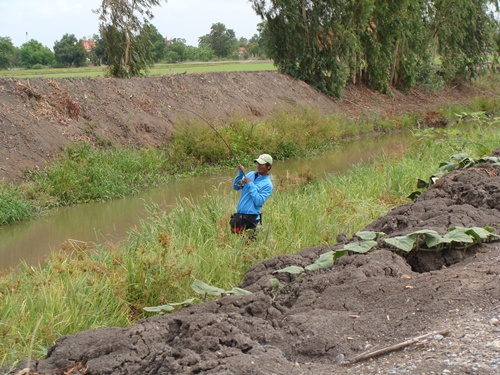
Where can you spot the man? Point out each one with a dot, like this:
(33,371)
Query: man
(256,187)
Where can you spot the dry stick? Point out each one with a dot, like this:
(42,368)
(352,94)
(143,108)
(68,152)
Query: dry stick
(395,347)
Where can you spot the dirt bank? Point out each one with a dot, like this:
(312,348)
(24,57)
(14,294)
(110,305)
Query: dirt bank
(319,323)
(38,117)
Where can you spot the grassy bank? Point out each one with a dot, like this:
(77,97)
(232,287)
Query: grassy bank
(82,288)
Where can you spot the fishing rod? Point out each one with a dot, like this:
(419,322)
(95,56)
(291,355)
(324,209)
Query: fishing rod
(220,136)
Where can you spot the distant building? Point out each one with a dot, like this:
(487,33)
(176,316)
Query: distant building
(88,44)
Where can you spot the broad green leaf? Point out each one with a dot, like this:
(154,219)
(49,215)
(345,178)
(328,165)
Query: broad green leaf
(238,291)
(478,233)
(458,235)
(432,238)
(275,283)
(339,253)
(200,287)
(360,247)
(163,308)
(414,195)
(460,156)
(421,184)
(369,235)
(404,243)
(185,302)
(324,261)
(294,270)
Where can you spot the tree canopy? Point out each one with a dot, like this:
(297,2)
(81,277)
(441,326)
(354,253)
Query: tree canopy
(129,47)
(69,51)
(221,40)
(34,53)
(7,51)
(328,43)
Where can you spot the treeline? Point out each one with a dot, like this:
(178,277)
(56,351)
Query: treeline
(382,43)
(221,43)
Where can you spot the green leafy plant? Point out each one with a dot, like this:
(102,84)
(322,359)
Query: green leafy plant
(457,161)
(201,288)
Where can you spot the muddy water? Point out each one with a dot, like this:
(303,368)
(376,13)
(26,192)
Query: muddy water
(32,241)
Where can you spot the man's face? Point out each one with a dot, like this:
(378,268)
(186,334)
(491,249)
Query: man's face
(262,169)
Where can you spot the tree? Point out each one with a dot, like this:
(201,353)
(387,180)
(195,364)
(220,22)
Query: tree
(69,51)
(34,53)
(129,47)
(98,53)
(222,41)
(381,42)
(7,52)
(158,46)
(176,51)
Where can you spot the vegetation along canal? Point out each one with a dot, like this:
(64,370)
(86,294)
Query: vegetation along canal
(109,221)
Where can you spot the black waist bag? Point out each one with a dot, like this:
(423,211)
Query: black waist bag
(242,222)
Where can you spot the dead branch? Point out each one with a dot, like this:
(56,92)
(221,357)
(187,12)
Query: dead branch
(395,347)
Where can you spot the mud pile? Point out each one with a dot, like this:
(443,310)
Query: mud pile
(320,322)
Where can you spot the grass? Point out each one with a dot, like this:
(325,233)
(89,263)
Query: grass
(83,288)
(158,69)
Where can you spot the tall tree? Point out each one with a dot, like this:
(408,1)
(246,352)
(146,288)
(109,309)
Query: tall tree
(221,40)
(7,51)
(69,51)
(381,42)
(158,45)
(34,53)
(122,26)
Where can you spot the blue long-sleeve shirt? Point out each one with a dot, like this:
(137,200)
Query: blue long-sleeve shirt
(254,193)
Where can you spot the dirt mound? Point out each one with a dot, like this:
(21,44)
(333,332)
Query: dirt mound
(39,117)
(320,322)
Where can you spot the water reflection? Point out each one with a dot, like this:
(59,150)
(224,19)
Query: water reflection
(110,221)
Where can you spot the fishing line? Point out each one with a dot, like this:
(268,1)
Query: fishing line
(220,135)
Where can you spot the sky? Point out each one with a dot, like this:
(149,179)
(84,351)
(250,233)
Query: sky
(48,20)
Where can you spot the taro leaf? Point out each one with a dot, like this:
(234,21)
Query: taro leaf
(339,253)
(294,270)
(169,306)
(200,287)
(369,235)
(275,283)
(494,160)
(421,184)
(404,243)
(460,156)
(325,260)
(448,167)
(360,247)
(157,309)
(185,302)
(478,233)
(432,238)
(238,291)
(457,235)
(414,195)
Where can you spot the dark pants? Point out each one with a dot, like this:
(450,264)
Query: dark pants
(243,222)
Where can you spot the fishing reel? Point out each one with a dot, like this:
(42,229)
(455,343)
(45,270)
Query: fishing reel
(241,182)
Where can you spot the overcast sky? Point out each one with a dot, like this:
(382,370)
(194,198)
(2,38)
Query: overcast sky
(48,20)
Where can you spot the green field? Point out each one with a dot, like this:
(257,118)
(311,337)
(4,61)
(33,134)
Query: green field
(158,69)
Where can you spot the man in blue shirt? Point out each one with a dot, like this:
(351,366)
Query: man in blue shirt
(256,187)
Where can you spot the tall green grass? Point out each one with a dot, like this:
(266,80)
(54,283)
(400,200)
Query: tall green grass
(13,206)
(82,288)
